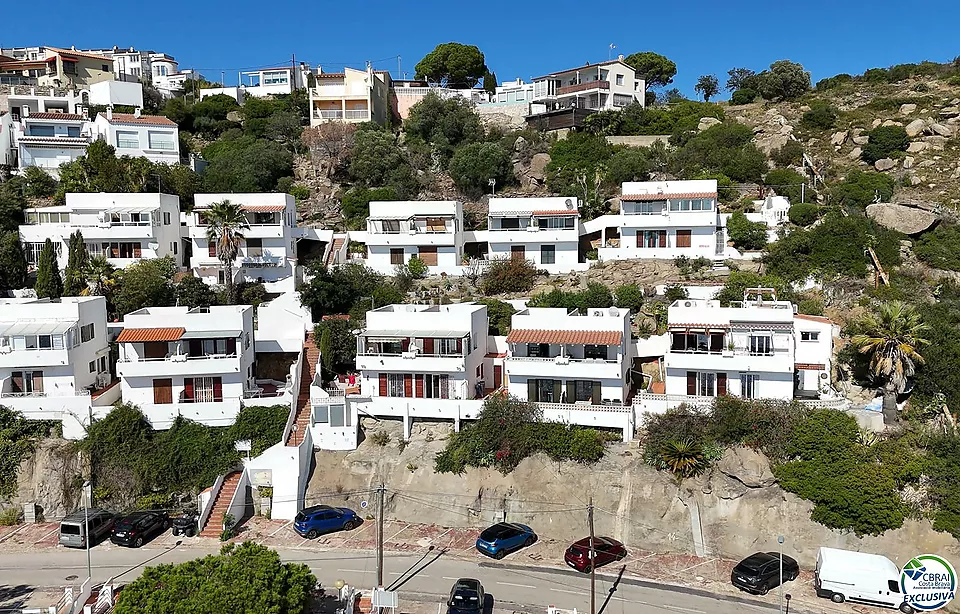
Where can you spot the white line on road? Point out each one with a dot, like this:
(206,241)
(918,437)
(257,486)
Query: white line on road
(560,590)
(449,578)
(517,585)
(354,570)
(419,575)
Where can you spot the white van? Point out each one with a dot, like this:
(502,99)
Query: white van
(845,575)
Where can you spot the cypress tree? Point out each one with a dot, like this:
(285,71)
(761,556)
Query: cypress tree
(13,264)
(74,277)
(49,284)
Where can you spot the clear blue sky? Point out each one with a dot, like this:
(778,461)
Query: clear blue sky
(519,39)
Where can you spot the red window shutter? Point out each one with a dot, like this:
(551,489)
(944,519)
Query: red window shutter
(38,381)
(419,386)
(188,388)
(136,250)
(692,383)
(662,238)
(17,377)
(115,250)
(383,384)
(459,346)
(404,345)
(721,384)
(231,346)
(212,249)
(217,389)
(407,385)
(428,345)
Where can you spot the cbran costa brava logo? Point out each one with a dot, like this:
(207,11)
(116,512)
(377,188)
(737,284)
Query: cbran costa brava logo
(928,582)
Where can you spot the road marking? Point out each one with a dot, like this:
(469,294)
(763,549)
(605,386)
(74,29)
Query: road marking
(676,607)
(658,605)
(517,585)
(419,575)
(560,590)
(282,527)
(449,578)
(354,570)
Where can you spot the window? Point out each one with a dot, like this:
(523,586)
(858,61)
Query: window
(124,250)
(596,352)
(265,218)
(93,366)
(395,384)
(254,247)
(213,347)
(221,277)
(436,224)
(893,586)
(43,217)
(448,347)
(436,386)
(548,254)
(95,250)
(652,238)
(73,131)
(701,384)
(128,140)
(583,390)
(166,218)
(619,79)
(396,255)
(207,390)
(32,252)
(546,390)
(809,336)
(509,223)
(538,350)
(748,385)
(103,364)
(684,238)
(87,332)
(161,140)
(275,78)
(761,345)
(556,222)
(653,207)
(173,247)
(390,226)
(41,130)
(29,382)
(105,67)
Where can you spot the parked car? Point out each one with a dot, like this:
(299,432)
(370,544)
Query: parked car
(605,550)
(73,528)
(136,528)
(466,597)
(313,521)
(503,538)
(760,572)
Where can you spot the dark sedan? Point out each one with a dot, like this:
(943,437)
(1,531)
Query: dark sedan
(136,528)
(760,572)
(605,550)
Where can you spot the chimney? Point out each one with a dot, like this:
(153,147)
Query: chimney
(109,112)
(136,113)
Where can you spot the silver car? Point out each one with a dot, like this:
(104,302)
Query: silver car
(73,528)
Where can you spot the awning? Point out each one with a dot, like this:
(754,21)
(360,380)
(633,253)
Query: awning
(212,334)
(387,218)
(131,209)
(141,335)
(263,208)
(34,327)
(391,335)
(572,337)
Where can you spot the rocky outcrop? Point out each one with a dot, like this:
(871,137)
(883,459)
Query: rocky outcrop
(902,218)
(532,176)
(884,164)
(747,466)
(915,127)
(908,108)
(707,122)
(47,478)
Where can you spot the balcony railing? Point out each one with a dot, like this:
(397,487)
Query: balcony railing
(323,114)
(561,360)
(357,114)
(582,87)
(82,392)
(177,358)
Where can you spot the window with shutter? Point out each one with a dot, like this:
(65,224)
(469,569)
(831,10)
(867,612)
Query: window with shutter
(217,389)
(419,386)
(212,249)
(662,238)
(721,384)
(532,390)
(188,388)
(428,346)
(231,346)
(683,238)
(692,383)
(136,250)
(408,385)
(383,385)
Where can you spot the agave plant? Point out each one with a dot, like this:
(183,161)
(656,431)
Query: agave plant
(684,457)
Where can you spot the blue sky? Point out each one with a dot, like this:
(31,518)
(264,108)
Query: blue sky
(520,39)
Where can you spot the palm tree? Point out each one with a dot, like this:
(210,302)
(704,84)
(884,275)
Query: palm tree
(892,336)
(225,221)
(100,276)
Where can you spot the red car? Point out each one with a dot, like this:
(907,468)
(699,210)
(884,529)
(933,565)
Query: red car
(605,549)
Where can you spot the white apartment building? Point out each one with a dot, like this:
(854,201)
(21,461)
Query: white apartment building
(123,228)
(545,231)
(513,91)
(274,81)
(21,100)
(47,140)
(429,230)
(154,137)
(352,96)
(662,219)
(196,363)
(556,356)
(757,348)
(54,360)
(606,85)
(269,251)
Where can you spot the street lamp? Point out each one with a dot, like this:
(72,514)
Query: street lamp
(780,541)
(86,524)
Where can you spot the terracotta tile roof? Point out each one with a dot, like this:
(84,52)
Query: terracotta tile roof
(148,120)
(64,116)
(557,212)
(339,316)
(139,335)
(263,208)
(573,337)
(329,75)
(55,140)
(697,325)
(79,54)
(804,366)
(821,319)
(649,197)
(495,355)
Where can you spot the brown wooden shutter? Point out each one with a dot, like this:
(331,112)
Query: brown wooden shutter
(136,250)
(217,389)
(662,238)
(17,381)
(419,386)
(716,342)
(428,255)
(428,345)
(114,250)
(596,393)
(683,238)
(571,391)
(692,383)
(231,346)
(38,381)
(163,391)
(721,384)
(407,385)
(383,384)
(532,390)
(404,345)
(188,388)
(640,242)
(212,249)
(557,390)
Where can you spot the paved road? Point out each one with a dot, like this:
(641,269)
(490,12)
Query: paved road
(512,586)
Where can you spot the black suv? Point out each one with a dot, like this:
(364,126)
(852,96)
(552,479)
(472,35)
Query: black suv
(760,572)
(466,597)
(136,528)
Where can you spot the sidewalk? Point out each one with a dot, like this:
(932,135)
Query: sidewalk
(709,575)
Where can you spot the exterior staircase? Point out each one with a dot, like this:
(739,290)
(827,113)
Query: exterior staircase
(335,247)
(311,355)
(221,505)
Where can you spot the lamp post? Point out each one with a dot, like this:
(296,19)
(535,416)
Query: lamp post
(86,525)
(780,541)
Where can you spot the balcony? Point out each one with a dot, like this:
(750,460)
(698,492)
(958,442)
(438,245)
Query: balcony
(779,360)
(357,114)
(411,362)
(33,357)
(325,114)
(261,260)
(583,87)
(564,367)
(179,364)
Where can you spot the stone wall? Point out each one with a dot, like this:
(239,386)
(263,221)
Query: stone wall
(51,478)
(506,116)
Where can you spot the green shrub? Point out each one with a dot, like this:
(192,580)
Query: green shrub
(860,188)
(675,292)
(739,281)
(596,295)
(743,96)
(39,183)
(746,235)
(821,116)
(629,296)
(10,517)
(884,142)
(790,184)
(417,268)
(725,148)
(508,275)
(940,248)
(300,192)
(876,75)
(18,438)
(810,307)
(832,82)
(791,154)
(954,80)
(380,438)
(499,315)
(473,165)
(803,214)
(760,424)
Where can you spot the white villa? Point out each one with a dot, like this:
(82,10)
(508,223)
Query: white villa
(429,230)
(545,231)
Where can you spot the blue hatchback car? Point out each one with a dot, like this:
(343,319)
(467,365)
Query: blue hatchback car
(313,521)
(503,538)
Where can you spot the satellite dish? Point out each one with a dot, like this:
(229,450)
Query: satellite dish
(568,203)
(614,312)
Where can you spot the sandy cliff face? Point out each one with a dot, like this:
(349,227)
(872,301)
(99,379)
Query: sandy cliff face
(49,479)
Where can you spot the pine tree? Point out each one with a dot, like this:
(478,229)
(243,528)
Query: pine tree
(13,264)
(74,277)
(326,352)
(49,284)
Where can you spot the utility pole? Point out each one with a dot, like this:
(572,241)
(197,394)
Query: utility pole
(293,71)
(593,571)
(380,497)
